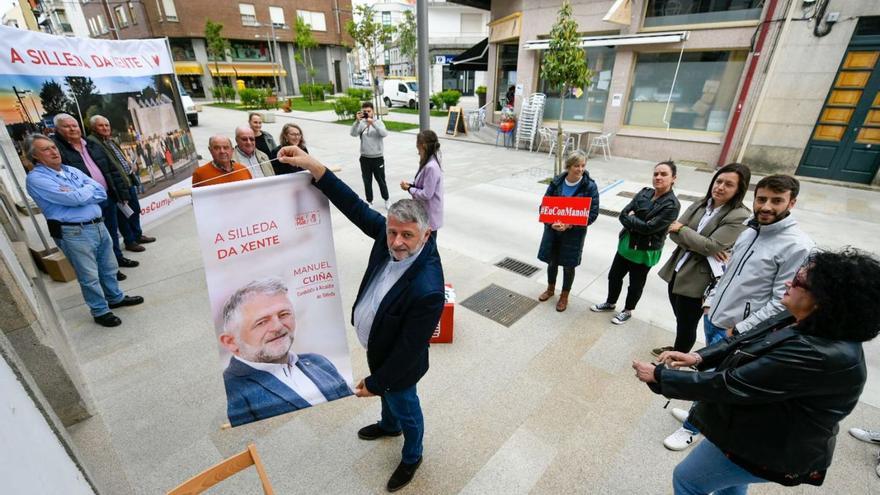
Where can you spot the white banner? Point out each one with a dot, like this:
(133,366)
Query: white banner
(39,54)
(160,205)
(272,279)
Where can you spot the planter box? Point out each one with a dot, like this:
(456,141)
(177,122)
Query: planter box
(268,117)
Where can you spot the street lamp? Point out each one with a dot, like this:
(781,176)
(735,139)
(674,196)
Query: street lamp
(18,95)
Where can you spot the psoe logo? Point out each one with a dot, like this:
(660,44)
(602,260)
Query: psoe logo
(308,219)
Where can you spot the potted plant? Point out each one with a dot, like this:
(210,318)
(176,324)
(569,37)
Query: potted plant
(481,95)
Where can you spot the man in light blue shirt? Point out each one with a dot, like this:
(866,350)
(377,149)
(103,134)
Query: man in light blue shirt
(70,201)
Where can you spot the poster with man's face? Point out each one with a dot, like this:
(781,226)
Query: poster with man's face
(270,266)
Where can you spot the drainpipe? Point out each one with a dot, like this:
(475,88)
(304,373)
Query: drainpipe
(747,83)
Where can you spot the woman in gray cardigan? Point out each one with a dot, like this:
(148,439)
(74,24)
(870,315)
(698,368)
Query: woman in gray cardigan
(705,229)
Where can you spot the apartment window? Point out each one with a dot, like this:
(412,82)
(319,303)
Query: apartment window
(131,13)
(471,23)
(249,51)
(386,18)
(170,10)
(248,14)
(121,16)
(93,28)
(679,12)
(586,104)
(276,14)
(701,99)
(314,19)
(102,24)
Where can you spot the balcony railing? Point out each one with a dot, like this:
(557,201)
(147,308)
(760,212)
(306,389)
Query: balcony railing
(249,20)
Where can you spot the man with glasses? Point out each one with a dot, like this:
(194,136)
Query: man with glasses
(247,154)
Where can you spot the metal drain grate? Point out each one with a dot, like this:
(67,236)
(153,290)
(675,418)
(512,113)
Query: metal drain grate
(500,305)
(518,267)
(683,197)
(607,212)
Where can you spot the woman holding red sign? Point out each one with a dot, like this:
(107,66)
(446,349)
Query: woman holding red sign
(646,220)
(563,244)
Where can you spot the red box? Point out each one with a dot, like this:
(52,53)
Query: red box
(444,331)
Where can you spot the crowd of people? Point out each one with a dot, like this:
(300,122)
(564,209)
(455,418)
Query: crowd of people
(783,322)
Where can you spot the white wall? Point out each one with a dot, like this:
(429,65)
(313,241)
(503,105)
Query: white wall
(32,460)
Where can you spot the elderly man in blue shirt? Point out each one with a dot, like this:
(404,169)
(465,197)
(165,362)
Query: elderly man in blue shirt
(70,201)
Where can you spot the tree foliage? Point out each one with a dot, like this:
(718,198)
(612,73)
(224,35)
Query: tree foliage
(53,99)
(216,45)
(406,37)
(305,42)
(565,65)
(85,94)
(371,35)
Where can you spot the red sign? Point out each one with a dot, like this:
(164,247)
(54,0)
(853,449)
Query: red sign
(574,211)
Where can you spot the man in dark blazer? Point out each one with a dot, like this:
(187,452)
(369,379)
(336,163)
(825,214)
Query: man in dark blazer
(90,159)
(396,311)
(264,378)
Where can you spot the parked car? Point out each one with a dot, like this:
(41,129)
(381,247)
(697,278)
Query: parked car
(404,92)
(192,115)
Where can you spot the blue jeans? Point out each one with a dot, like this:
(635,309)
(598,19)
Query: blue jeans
(111,221)
(130,227)
(707,470)
(401,411)
(89,249)
(713,334)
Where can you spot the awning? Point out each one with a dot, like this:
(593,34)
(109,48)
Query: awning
(188,68)
(474,58)
(250,69)
(618,40)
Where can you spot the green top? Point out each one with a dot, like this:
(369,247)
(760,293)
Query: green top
(642,257)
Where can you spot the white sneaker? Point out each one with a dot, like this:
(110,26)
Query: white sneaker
(680,414)
(621,318)
(869,436)
(681,439)
(387,205)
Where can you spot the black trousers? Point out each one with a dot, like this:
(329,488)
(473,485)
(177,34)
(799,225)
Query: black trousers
(638,275)
(553,270)
(374,167)
(688,311)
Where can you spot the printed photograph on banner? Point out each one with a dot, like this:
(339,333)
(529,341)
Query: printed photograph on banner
(274,291)
(143,116)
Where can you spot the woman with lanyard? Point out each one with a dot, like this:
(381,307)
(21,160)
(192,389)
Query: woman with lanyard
(563,244)
(645,222)
(427,187)
(707,228)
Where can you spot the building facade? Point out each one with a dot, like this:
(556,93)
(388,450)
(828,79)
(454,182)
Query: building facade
(60,17)
(708,82)
(260,34)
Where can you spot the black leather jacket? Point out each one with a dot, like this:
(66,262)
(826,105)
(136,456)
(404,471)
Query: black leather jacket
(116,190)
(775,399)
(647,226)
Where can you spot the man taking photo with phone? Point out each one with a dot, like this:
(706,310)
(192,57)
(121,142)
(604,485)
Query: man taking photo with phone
(371,132)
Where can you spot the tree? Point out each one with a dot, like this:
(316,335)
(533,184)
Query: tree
(305,42)
(565,65)
(370,35)
(53,99)
(216,46)
(85,95)
(406,38)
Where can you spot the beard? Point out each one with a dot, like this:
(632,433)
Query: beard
(267,352)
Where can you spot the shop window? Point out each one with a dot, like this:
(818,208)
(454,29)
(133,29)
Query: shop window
(681,12)
(248,14)
(585,104)
(244,50)
(505,78)
(182,49)
(700,99)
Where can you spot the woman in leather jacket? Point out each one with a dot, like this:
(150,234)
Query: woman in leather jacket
(646,220)
(771,405)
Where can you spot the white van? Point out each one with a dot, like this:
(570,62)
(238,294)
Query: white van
(404,92)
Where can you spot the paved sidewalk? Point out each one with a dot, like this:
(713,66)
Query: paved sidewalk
(548,405)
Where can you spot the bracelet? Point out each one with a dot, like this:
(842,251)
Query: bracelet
(699,358)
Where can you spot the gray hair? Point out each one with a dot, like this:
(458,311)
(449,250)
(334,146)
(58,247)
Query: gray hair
(231,314)
(410,210)
(62,116)
(30,143)
(242,129)
(575,157)
(216,137)
(93,121)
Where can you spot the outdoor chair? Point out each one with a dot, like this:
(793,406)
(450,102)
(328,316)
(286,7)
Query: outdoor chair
(548,134)
(603,142)
(477,118)
(224,469)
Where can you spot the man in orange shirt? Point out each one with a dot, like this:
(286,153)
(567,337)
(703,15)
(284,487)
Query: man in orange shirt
(221,169)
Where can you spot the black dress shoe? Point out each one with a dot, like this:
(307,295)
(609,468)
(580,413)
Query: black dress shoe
(108,320)
(145,239)
(374,432)
(127,263)
(127,301)
(403,475)
(135,247)
(120,276)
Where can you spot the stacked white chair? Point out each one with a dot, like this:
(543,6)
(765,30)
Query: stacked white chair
(531,115)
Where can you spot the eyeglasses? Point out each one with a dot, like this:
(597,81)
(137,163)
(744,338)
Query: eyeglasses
(247,139)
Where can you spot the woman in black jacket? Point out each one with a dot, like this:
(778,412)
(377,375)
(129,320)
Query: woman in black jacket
(291,134)
(562,244)
(645,221)
(771,406)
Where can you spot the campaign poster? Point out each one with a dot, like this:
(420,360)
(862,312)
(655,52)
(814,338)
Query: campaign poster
(272,279)
(131,83)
